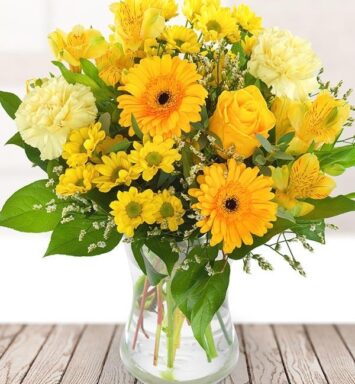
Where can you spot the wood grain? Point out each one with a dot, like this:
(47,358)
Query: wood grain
(240,373)
(17,360)
(263,355)
(51,362)
(347,332)
(300,361)
(89,357)
(335,359)
(7,335)
(114,372)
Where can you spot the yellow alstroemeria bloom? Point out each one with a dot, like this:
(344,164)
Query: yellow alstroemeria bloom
(303,180)
(77,180)
(170,211)
(82,143)
(320,121)
(154,155)
(137,21)
(78,44)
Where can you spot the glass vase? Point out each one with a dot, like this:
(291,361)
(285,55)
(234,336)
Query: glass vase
(158,345)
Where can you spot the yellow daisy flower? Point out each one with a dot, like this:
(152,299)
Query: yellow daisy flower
(154,155)
(235,204)
(216,23)
(77,180)
(168,7)
(113,63)
(115,170)
(247,19)
(133,209)
(192,8)
(170,211)
(163,95)
(304,180)
(182,39)
(81,144)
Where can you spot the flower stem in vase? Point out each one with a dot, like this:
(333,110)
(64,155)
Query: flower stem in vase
(223,327)
(179,322)
(212,353)
(170,327)
(160,317)
(141,312)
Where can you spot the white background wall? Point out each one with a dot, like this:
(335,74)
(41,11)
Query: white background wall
(98,289)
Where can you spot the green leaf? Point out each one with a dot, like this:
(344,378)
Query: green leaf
(16,139)
(335,161)
(187,161)
(10,102)
(237,49)
(26,209)
(311,230)
(265,143)
(136,128)
(121,146)
(164,251)
(34,155)
(80,237)
(105,120)
(284,214)
(90,70)
(136,247)
(286,139)
(103,200)
(329,207)
(282,156)
(204,117)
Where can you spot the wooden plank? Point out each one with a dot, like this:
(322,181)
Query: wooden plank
(17,360)
(335,359)
(263,356)
(240,373)
(7,335)
(114,372)
(298,356)
(51,362)
(347,332)
(89,357)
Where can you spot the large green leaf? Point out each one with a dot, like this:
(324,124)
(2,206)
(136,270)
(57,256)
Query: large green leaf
(84,236)
(164,251)
(34,208)
(10,103)
(335,162)
(311,230)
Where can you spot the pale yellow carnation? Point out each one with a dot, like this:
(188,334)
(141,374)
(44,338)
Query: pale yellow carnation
(50,112)
(286,63)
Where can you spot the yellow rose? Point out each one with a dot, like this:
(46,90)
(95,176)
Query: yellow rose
(239,116)
(80,43)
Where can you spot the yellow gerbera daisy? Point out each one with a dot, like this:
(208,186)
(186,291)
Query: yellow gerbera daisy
(164,96)
(82,144)
(304,180)
(216,23)
(133,209)
(247,19)
(154,155)
(115,170)
(113,63)
(235,204)
(170,211)
(182,39)
(77,180)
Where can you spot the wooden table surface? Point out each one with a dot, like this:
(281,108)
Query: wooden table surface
(270,354)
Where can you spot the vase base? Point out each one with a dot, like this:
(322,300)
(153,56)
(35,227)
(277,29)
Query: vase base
(169,375)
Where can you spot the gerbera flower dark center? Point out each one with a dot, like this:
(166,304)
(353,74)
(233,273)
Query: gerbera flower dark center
(163,98)
(231,204)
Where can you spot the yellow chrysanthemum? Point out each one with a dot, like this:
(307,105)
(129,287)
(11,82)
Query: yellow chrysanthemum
(182,39)
(78,44)
(164,96)
(235,203)
(150,48)
(168,7)
(77,180)
(50,112)
(133,209)
(320,121)
(137,21)
(115,170)
(81,144)
(170,211)
(192,8)
(304,180)
(216,23)
(154,155)
(113,63)
(247,19)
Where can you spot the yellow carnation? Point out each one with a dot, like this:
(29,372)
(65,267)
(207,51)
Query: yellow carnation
(239,116)
(302,181)
(78,44)
(49,113)
(285,63)
(77,180)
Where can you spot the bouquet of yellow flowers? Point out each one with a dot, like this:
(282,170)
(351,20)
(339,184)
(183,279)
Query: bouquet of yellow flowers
(195,144)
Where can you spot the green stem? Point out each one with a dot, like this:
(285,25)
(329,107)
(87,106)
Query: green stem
(170,326)
(212,353)
(160,317)
(224,329)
